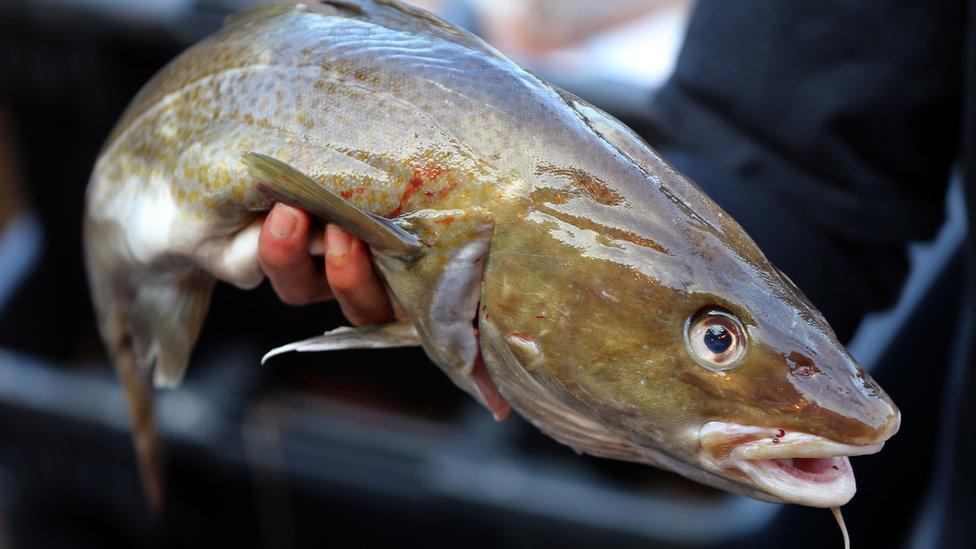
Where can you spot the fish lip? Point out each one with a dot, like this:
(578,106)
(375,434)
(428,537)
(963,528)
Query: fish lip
(766,459)
(833,486)
(801,445)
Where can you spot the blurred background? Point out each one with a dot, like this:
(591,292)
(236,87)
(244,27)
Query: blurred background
(377,447)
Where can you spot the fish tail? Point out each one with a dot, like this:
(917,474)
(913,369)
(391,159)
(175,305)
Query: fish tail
(139,394)
(149,325)
(150,336)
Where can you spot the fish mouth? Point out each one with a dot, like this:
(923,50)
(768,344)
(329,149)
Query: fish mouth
(791,467)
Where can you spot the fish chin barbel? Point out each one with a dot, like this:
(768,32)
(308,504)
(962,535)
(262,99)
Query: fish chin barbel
(613,304)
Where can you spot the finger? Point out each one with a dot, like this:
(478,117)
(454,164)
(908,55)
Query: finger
(284,257)
(354,283)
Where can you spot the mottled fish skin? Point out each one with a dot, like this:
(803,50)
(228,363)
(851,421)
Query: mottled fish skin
(586,251)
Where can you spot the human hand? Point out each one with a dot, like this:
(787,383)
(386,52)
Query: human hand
(300,278)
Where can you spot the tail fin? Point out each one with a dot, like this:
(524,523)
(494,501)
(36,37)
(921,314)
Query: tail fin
(139,394)
(150,328)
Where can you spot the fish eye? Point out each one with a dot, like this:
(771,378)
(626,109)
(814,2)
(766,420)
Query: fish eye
(716,339)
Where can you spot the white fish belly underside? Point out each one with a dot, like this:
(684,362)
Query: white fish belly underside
(156,227)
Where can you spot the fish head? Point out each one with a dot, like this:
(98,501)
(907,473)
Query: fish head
(775,400)
(642,323)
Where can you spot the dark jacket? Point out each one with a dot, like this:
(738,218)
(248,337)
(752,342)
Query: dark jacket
(830,129)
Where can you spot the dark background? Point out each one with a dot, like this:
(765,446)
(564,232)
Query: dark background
(366,448)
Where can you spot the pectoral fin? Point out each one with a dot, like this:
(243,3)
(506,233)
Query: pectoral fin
(288,185)
(399,334)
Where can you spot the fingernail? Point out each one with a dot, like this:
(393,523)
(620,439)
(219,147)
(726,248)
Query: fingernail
(337,241)
(283,221)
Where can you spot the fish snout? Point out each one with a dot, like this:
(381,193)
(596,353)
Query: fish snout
(867,419)
(875,410)
(891,425)
(848,405)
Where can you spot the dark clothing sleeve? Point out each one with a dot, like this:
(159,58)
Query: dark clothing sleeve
(827,128)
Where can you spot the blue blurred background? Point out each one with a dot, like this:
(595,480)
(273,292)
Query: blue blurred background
(365,448)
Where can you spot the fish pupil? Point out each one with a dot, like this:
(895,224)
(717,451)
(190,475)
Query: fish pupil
(717,339)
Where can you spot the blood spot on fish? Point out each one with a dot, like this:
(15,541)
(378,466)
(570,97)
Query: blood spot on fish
(415,183)
(781,433)
(442,194)
(421,175)
(775,440)
(446,221)
(347,193)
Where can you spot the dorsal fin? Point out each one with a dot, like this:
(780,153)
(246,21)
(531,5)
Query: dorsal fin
(391,14)
(398,15)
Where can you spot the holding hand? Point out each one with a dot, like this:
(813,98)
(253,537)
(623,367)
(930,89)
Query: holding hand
(299,278)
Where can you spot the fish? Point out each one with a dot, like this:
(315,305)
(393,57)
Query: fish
(547,258)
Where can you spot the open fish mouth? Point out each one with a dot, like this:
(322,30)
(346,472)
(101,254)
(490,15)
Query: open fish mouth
(792,467)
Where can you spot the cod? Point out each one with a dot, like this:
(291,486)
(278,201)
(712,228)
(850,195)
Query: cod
(526,233)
